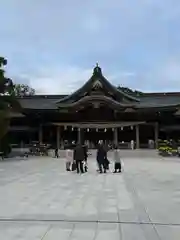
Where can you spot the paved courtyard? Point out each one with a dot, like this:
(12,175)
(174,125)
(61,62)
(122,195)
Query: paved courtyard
(39,200)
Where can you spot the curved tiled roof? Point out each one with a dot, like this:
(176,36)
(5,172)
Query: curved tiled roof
(159,100)
(95,98)
(161,94)
(38,102)
(49,102)
(98,76)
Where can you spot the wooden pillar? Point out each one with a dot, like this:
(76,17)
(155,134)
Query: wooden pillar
(156,134)
(29,137)
(137,136)
(58,137)
(40,134)
(116,136)
(79,136)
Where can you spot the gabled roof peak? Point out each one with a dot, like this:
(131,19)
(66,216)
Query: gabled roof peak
(97,82)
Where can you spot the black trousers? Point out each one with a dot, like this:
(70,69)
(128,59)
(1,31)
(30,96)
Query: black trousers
(79,166)
(102,166)
(56,153)
(117,166)
(85,167)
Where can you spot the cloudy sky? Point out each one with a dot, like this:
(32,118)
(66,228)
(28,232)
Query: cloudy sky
(53,45)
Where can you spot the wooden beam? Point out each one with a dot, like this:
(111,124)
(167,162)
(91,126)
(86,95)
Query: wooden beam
(98,124)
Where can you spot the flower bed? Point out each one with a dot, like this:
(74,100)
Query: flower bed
(166,151)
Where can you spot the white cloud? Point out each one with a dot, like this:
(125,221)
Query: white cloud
(62,80)
(164,77)
(171,72)
(75,34)
(92,24)
(67,79)
(168,75)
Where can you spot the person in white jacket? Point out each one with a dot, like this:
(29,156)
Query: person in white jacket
(69,159)
(117,160)
(132,144)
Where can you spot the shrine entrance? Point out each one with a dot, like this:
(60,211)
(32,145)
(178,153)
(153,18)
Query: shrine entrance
(118,133)
(92,136)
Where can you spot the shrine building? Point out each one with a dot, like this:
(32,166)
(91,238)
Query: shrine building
(97,111)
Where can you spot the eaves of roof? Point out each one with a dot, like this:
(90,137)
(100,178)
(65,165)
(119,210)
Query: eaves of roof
(49,102)
(158,101)
(38,103)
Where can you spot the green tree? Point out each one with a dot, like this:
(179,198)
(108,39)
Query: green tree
(8,101)
(23,90)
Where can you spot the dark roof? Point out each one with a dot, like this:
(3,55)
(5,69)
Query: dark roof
(158,100)
(39,101)
(160,94)
(97,76)
(111,94)
(97,99)
(42,96)
(148,100)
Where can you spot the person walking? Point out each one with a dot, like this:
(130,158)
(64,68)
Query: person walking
(101,157)
(117,160)
(79,158)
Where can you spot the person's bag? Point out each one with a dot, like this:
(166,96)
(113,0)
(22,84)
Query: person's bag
(122,165)
(85,164)
(73,168)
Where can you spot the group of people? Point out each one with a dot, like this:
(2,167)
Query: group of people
(76,159)
(103,162)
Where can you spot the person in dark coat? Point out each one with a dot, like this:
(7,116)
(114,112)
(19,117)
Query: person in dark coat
(85,157)
(56,152)
(101,158)
(79,158)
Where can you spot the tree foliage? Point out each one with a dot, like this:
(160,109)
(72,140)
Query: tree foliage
(7,99)
(23,90)
(6,87)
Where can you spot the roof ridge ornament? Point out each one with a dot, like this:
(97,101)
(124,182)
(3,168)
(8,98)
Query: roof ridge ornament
(97,70)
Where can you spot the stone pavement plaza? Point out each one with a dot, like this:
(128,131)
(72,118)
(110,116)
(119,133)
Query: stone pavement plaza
(39,200)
